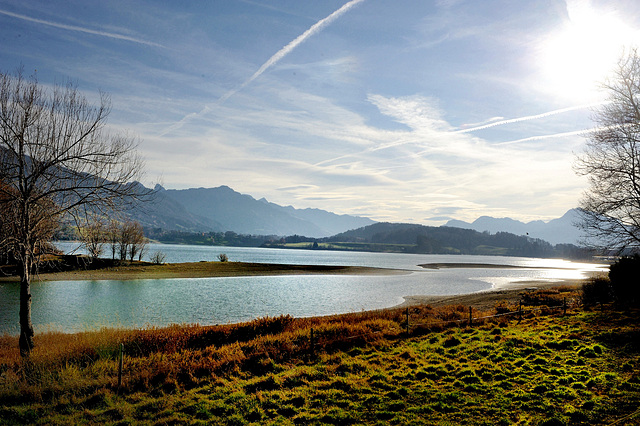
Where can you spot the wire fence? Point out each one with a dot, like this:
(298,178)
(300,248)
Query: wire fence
(410,325)
(316,343)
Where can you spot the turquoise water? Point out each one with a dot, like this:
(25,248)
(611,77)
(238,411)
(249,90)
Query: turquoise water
(82,305)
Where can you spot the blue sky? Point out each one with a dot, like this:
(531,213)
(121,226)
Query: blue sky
(405,111)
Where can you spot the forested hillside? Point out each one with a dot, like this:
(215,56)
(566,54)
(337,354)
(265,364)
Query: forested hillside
(448,240)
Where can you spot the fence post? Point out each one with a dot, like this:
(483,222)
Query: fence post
(470,316)
(520,311)
(313,345)
(564,306)
(120,365)
(407,314)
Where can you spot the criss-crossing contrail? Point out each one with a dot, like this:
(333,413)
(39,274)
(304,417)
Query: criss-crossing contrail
(314,29)
(79,29)
(529,117)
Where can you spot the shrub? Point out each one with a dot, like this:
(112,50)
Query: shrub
(158,258)
(223,257)
(596,290)
(624,280)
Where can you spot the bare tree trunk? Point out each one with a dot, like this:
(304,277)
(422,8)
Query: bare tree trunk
(26,326)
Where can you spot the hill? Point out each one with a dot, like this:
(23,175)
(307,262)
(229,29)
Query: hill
(413,238)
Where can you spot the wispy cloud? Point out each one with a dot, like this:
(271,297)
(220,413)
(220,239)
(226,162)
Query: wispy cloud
(529,117)
(278,56)
(79,29)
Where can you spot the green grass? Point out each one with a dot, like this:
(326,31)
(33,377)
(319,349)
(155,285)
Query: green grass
(574,369)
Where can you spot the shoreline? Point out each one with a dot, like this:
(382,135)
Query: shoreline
(140,271)
(486,299)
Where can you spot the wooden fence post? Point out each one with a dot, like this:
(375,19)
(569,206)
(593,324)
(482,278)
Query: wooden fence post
(120,365)
(470,316)
(520,311)
(313,345)
(564,306)
(407,314)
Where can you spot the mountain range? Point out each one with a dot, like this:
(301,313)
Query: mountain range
(557,231)
(222,209)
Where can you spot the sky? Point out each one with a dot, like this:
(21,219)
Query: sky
(414,111)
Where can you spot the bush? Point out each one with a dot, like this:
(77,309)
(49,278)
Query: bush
(223,257)
(597,290)
(158,258)
(624,280)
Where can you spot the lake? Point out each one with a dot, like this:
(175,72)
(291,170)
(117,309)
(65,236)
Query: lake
(72,306)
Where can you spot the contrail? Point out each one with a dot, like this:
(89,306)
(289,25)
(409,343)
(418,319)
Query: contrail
(79,29)
(315,28)
(530,117)
(541,137)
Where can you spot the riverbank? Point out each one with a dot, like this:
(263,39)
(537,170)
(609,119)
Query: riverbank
(143,270)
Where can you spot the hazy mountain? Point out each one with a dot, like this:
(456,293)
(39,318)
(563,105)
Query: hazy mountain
(556,231)
(330,223)
(162,211)
(223,209)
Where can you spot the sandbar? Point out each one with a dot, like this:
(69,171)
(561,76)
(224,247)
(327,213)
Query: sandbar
(137,271)
(479,266)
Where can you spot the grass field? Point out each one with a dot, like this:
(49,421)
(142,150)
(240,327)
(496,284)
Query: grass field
(547,368)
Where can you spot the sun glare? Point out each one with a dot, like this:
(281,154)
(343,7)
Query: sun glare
(575,59)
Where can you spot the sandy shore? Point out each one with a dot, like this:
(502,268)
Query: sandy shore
(203,270)
(477,266)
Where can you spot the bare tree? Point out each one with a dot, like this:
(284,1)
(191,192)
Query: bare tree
(57,160)
(137,241)
(42,229)
(125,236)
(113,236)
(93,235)
(610,208)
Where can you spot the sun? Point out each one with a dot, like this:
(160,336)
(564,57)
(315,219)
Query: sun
(575,59)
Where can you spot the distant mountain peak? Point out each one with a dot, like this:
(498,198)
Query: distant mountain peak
(556,231)
(224,209)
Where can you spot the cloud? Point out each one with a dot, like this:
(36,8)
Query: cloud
(80,29)
(278,56)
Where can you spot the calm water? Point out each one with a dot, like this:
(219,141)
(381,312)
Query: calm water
(80,305)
